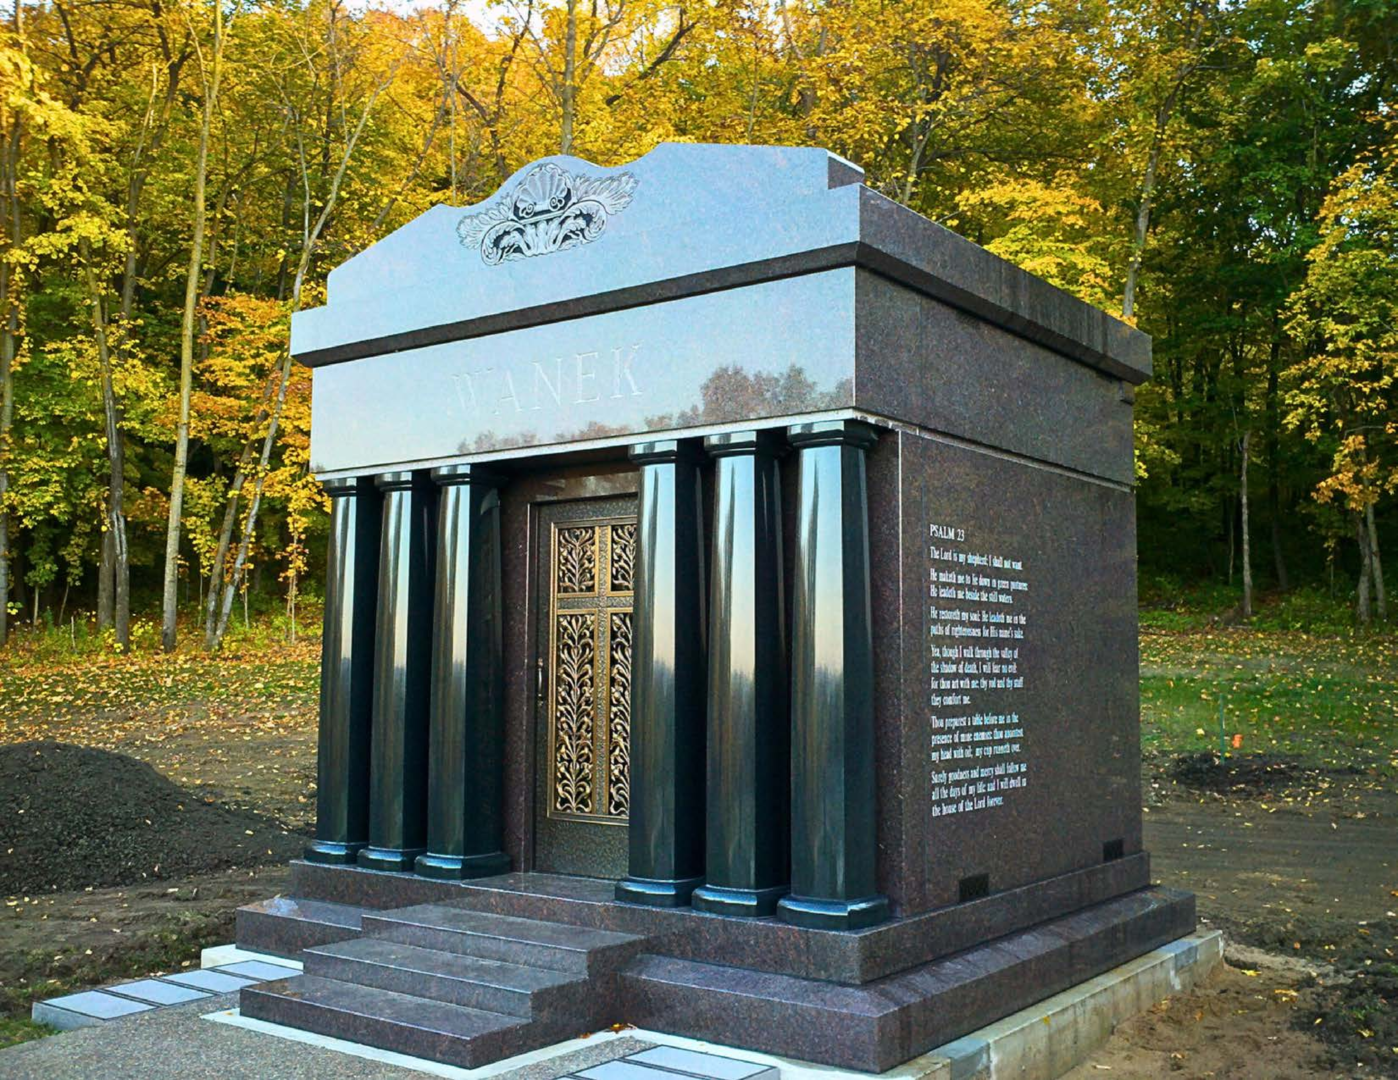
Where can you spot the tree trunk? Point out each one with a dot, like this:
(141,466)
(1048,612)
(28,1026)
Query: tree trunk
(106,574)
(1230,514)
(310,236)
(1163,113)
(568,94)
(250,527)
(116,516)
(8,348)
(1274,465)
(1376,564)
(7,353)
(1361,605)
(225,540)
(9,340)
(1138,239)
(1247,543)
(170,594)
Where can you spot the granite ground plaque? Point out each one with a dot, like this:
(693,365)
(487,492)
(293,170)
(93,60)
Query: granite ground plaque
(731,606)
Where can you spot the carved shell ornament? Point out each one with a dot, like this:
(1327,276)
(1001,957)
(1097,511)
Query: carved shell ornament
(549,210)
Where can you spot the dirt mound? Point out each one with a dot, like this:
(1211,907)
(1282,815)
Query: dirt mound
(73,817)
(1244,775)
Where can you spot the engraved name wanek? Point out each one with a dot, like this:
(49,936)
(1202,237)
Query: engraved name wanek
(559,383)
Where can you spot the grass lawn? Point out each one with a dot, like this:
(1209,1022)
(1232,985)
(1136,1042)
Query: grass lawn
(1330,700)
(238,728)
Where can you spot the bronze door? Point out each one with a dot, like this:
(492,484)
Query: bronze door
(586,550)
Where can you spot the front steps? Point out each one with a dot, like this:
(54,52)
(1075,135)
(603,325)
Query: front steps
(469,973)
(551,945)
(461,987)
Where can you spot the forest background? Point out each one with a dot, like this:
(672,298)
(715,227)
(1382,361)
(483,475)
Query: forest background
(178,176)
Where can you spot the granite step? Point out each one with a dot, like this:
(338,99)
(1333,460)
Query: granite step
(284,925)
(451,1034)
(525,942)
(455,978)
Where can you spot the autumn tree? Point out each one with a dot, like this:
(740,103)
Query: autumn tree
(210,75)
(1343,392)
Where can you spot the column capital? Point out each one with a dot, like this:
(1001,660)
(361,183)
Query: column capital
(341,486)
(404,480)
(663,451)
(466,473)
(833,433)
(767,442)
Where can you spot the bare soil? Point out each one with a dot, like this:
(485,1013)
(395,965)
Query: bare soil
(74,816)
(1236,1025)
(1299,869)
(52,943)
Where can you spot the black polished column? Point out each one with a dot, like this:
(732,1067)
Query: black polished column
(402,672)
(833,827)
(346,672)
(666,828)
(747,865)
(465,788)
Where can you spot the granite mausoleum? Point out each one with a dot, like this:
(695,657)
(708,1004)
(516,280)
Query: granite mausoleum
(730,625)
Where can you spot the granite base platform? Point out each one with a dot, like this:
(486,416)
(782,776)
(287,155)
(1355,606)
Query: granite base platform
(470,974)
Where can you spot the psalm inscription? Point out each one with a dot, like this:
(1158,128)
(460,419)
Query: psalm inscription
(977,627)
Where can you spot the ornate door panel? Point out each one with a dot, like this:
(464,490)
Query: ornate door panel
(583,700)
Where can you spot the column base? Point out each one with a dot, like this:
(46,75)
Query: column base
(399,860)
(334,852)
(462,867)
(657,893)
(833,914)
(745,903)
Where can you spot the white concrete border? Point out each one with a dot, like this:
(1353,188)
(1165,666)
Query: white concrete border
(1038,1043)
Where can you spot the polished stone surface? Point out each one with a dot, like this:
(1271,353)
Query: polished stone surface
(283,926)
(402,673)
(157,992)
(748,848)
(876,1027)
(256,969)
(455,986)
(696,218)
(666,826)
(940,576)
(764,944)
(410,997)
(1075,710)
(90,1005)
(465,760)
(346,672)
(833,783)
(767,351)
(707,1066)
(213,981)
(922,362)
